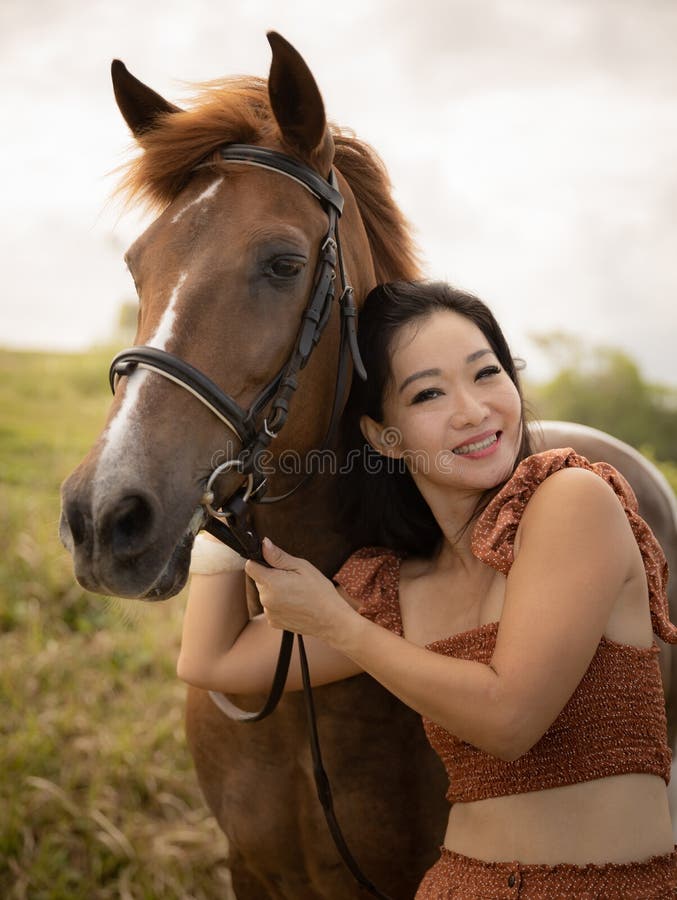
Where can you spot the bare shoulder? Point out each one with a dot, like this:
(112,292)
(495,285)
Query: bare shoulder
(575,490)
(575,501)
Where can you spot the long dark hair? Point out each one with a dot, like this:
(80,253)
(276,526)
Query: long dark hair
(377,500)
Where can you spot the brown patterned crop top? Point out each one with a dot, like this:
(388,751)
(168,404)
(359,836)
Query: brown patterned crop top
(614,723)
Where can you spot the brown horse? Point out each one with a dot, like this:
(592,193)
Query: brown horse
(223,276)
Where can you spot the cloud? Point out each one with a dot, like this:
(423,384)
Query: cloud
(532,147)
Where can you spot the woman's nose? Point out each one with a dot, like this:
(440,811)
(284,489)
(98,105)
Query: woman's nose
(467,410)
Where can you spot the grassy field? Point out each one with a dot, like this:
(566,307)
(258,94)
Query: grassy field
(98,798)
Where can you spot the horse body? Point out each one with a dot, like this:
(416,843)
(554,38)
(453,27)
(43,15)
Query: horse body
(258,779)
(223,276)
(260,788)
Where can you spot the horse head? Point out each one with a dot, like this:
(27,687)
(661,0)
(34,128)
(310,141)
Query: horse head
(223,276)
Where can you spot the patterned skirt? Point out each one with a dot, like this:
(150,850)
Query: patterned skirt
(457,876)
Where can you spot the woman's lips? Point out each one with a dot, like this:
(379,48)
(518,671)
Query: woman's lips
(480,446)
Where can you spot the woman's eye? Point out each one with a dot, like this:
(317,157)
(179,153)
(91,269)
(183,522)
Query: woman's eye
(285,266)
(427,394)
(489,370)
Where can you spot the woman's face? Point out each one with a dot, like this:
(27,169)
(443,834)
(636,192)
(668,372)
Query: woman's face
(450,408)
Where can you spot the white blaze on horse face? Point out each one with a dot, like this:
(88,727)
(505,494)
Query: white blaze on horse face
(164,330)
(207,194)
(119,438)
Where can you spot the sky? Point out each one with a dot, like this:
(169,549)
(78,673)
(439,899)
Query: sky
(532,145)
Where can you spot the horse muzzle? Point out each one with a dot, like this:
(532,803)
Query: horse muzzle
(124,547)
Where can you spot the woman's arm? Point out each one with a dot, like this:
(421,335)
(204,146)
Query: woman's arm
(574,556)
(223,649)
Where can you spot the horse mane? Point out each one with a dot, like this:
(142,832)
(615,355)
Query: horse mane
(237,110)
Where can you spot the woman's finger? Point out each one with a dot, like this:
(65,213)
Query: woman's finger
(255,570)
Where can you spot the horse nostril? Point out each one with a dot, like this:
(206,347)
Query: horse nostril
(131,526)
(77,523)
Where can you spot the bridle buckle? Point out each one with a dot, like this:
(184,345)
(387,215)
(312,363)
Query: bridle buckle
(268,430)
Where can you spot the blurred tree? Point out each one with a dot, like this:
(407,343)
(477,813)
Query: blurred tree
(603,387)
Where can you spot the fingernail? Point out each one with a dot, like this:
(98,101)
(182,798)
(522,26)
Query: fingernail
(267,542)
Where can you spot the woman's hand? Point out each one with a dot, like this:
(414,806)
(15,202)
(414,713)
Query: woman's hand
(294,594)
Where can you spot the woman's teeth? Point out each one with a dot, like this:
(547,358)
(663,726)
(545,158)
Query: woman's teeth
(478,445)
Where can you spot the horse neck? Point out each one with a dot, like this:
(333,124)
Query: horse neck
(304,524)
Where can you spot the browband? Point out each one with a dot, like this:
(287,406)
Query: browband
(279,162)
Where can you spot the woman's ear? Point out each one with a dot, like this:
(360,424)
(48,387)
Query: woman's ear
(383,439)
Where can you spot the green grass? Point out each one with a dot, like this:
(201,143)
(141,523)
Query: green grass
(98,798)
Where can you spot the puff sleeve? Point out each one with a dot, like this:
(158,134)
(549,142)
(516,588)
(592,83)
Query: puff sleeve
(494,532)
(371,576)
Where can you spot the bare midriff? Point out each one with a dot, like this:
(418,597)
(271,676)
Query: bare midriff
(619,819)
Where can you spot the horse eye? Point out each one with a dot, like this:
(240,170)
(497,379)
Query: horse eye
(286,266)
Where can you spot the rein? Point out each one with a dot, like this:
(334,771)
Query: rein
(232,523)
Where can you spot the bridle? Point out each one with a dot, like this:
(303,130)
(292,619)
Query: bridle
(256,438)
(232,523)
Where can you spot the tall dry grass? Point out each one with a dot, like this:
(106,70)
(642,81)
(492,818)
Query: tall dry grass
(98,798)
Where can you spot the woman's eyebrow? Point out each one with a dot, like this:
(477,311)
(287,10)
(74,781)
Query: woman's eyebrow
(477,354)
(424,373)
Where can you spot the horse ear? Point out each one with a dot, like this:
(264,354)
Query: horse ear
(139,104)
(295,98)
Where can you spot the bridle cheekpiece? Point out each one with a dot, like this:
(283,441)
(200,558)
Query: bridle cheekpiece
(255,438)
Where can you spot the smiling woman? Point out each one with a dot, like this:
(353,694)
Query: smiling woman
(476,385)
(381,503)
(515,611)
